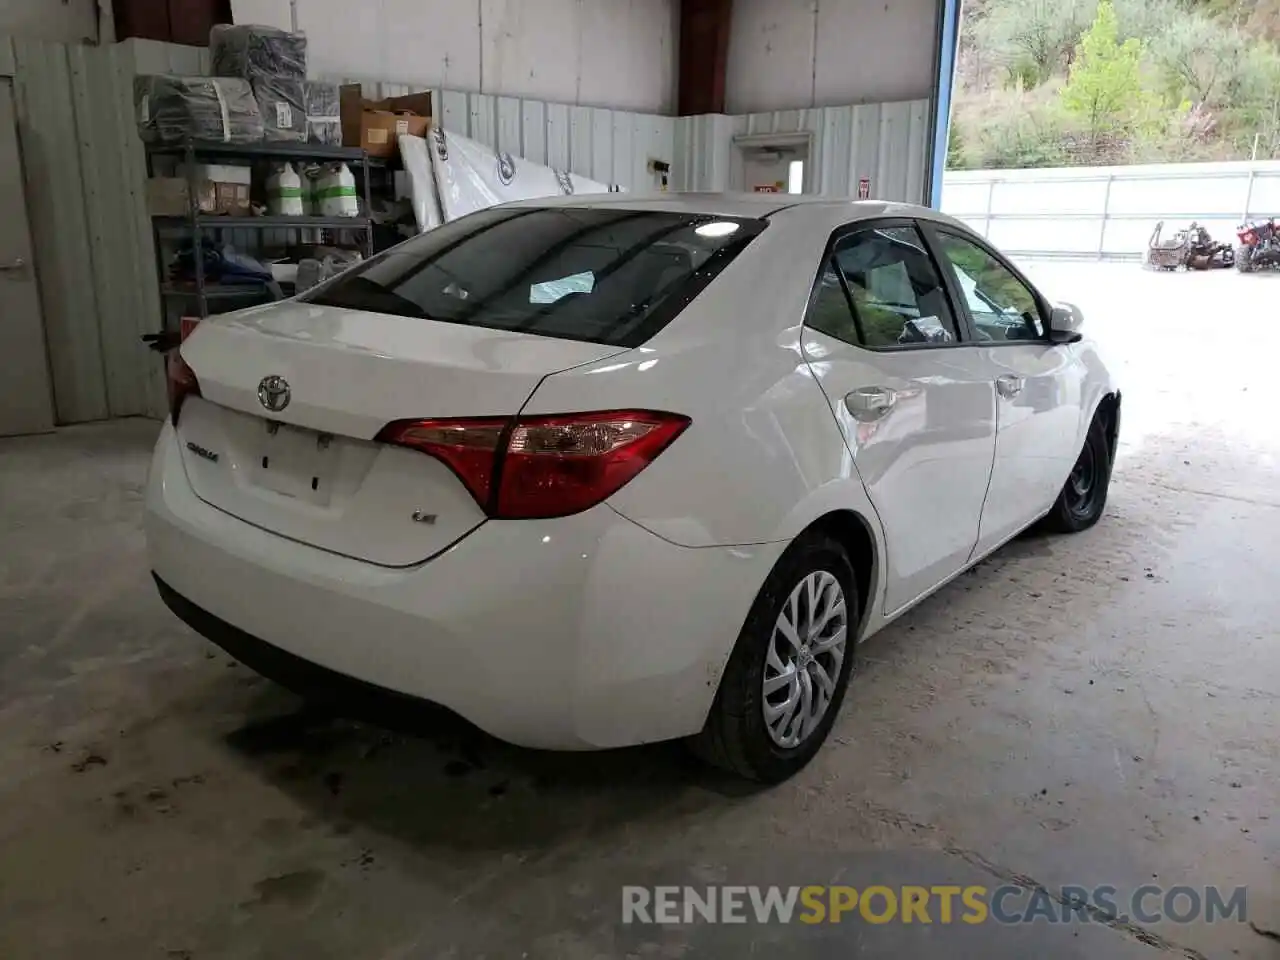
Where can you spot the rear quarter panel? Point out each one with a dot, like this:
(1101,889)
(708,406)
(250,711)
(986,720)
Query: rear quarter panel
(763,457)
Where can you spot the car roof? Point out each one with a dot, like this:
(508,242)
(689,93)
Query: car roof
(822,211)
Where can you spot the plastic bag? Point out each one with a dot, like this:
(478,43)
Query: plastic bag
(283,104)
(197,108)
(324,116)
(249,51)
(312,271)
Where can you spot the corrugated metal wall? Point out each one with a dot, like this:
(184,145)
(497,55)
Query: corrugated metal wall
(703,153)
(83,166)
(611,146)
(885,142)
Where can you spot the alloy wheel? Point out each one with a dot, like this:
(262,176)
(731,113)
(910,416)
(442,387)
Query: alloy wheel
(804,659)
(1085,482)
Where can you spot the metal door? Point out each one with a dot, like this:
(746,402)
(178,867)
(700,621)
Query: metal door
(26,399)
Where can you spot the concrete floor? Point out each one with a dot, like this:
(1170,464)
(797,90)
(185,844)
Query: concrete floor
(1095,709)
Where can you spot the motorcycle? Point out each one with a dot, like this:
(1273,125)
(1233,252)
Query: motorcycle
(1259,246)
(1189,249)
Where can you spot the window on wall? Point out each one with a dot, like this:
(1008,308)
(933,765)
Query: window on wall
(795,177)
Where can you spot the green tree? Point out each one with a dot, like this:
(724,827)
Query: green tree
(1104,89)
(1146,19)
(1033,37)
(1200,59)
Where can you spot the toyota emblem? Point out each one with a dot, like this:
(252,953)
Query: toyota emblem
(274,393)
(506,169)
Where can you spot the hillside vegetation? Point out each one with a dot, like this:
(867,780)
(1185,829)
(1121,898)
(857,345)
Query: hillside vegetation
(1085,82)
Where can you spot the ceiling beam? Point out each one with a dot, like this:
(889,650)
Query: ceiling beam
(704,55)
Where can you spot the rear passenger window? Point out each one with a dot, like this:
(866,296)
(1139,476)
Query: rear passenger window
(892,295)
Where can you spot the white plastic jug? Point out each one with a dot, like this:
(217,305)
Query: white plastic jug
(284,192)
(338,192)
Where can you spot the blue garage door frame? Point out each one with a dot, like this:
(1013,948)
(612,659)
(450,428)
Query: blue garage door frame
(945,47)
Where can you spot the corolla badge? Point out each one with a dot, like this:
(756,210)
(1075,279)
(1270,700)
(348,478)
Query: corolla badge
(274,393)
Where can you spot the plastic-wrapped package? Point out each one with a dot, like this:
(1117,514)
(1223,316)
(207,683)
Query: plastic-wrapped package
(422,182)
(469,177)
(324,114)
(249,51)
(313,271)
(220,109)
(282,101)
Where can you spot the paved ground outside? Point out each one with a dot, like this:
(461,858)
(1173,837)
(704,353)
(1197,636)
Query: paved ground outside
(1087,710)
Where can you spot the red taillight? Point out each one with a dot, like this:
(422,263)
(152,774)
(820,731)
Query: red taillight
(542,466)
(561,465)
(468,447)
(182,383)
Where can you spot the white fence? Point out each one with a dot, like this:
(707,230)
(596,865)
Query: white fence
(1109,212)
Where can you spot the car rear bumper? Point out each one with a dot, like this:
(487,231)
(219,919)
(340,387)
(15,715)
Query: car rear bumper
(581,632)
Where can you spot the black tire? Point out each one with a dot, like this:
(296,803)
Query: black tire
(1084,495)
(736,737)
(1244,259)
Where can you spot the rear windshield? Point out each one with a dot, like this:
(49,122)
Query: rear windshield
(603,275)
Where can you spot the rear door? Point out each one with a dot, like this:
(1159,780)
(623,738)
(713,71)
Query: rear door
(915,405)
(1039,385)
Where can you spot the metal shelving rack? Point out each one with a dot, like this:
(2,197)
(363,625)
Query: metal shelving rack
(196,224)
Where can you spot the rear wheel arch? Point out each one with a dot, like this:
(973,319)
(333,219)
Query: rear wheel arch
(854,532)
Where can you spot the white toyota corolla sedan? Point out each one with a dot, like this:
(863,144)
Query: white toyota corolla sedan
(609,470)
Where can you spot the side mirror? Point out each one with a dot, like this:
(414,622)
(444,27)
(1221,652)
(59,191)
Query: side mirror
(1065,321)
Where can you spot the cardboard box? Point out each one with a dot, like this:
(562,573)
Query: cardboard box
(167,197)
(375,124)
(221,188)
(225,199)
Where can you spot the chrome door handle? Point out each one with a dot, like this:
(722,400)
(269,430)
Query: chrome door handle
(1009,386)
(15,265)
(870,403)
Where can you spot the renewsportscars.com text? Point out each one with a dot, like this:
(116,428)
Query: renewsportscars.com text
(940,904)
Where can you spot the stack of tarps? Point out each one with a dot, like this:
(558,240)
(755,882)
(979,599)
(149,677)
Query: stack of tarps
(250,51)
(275,64)
(324,114)
(171,108)
(466,176)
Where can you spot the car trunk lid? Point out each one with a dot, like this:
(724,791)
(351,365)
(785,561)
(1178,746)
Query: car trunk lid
(292,396)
